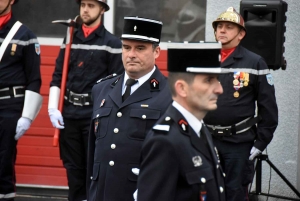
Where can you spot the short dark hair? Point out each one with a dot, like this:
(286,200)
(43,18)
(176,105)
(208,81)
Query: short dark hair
(174,76)
(155,45)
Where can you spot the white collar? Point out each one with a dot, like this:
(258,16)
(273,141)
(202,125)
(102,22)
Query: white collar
(141,81)
(191,119)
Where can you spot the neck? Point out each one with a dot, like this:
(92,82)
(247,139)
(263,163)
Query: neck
(199,114)
(4,19)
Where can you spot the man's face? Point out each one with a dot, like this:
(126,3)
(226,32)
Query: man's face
(3,5)
(138,57)
(202,93)
(229,34)
(90,12)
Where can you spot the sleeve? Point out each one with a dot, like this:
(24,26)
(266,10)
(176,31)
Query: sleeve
(267,108)
(159,171)
(90,158)
(32,61)
(115,58)
(57,74)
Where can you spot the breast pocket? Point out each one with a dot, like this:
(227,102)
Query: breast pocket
(100,121)
(200,176)
(141,121)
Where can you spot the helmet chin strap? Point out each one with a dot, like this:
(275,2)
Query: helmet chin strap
(5,8)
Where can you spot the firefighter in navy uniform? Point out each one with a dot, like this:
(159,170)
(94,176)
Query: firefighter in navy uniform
(178,160)
(20,82)
(125,109)
(239,133)
(95,53)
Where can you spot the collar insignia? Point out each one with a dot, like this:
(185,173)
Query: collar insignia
(154,84)
(183,125)
(115,82)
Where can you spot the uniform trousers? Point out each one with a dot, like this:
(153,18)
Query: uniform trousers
(73,142)
(8,152)
(238,168)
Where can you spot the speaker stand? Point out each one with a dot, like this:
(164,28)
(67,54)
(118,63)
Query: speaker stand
(258,170)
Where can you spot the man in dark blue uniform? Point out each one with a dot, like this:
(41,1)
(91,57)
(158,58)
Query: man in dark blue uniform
(125,109)
(240,133)
(95,53)
(20,82)
(179,160)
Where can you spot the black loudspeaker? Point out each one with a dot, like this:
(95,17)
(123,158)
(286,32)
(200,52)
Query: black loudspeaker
(265,25)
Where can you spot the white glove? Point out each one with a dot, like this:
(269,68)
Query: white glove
(22,126)
(253,153)
(135,171)
(56,118)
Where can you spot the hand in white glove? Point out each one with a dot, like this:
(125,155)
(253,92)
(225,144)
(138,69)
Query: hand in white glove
(22,126)
(253,153)
(56,118)
(135,171)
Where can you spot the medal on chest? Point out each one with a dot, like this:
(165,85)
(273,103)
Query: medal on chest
(240,79)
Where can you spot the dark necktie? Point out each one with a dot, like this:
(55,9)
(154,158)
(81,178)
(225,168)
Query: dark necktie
(202,134)
(129,83)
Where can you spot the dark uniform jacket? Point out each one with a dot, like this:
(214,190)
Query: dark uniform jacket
(177,165)
(118,130)
(20,64)
(91,58)
(19,71)
(260,88)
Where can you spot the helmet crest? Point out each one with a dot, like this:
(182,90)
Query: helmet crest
(230,15)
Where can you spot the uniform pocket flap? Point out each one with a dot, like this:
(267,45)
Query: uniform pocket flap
(199,176)
(102,112)
(96,169)
(145,113)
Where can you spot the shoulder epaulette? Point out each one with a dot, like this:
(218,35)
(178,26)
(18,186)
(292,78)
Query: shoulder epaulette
(106,78)
(163,125)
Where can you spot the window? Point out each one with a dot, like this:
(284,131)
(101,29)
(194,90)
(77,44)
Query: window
(183,20)
(38,15)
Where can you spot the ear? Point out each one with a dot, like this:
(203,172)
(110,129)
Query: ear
(181,88)
(157,52)
(102,10)
(242,34)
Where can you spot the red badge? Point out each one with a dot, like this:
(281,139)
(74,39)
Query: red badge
(183,124)
(154,84)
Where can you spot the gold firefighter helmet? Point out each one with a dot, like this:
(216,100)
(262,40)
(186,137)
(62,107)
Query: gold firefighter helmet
(230,15)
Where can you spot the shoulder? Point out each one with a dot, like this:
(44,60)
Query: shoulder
(249,53)
(253,60)
(111,39)
(25,33)
(109,80)
(163,125)
(106,78)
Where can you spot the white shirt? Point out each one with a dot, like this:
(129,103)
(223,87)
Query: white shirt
(141,81)
(191,119)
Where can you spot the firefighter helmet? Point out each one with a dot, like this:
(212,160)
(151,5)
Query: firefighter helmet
(230,15)
(103,2)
